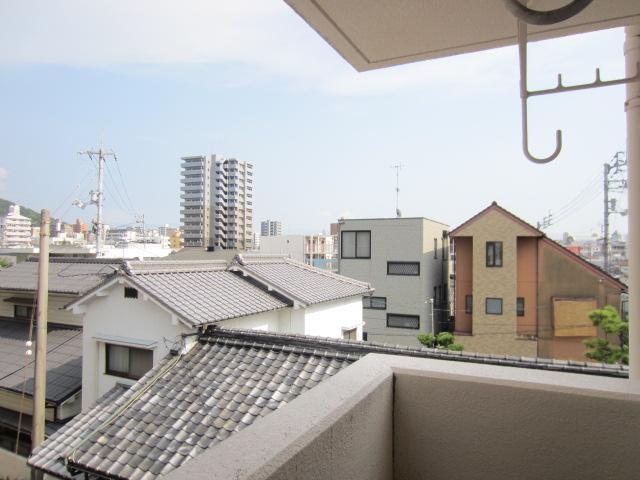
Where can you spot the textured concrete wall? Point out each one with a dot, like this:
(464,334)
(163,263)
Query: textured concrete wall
(341,429)
(13,467)
(496,333)
(489,422)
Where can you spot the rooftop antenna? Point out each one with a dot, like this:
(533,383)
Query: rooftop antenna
(398,167)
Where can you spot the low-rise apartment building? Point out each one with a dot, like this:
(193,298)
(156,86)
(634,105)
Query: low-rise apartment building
(517,292)
(406,261)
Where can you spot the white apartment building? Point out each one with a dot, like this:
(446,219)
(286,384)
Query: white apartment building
(406,262)
(195,200)
(270,228)
(216,202)
(15,229)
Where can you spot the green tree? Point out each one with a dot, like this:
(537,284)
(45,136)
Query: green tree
(444,340)
(4,263)
(601,349)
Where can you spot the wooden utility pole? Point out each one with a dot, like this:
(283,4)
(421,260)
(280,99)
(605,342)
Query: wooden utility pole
(39,399)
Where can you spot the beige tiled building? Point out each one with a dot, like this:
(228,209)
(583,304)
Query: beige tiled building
(517,292)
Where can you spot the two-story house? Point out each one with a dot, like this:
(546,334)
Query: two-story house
(517,292)
(134,319)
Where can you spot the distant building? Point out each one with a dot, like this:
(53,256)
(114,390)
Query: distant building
(80,227)
(217,202)
(316,250)
(270,228)
(517,292)
(256,240)
(15,229)
(406,261)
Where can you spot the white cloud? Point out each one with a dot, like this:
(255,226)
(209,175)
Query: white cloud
(265,35)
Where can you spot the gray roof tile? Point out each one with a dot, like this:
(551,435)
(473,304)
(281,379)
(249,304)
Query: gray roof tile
(201,292)
(71,277)
(148,443)
(64,359)
(304,282)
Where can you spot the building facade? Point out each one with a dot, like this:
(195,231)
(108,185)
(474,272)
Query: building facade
(406,261)
(317,250)
(15,229)
(217,202)
(516,292)
(270,228)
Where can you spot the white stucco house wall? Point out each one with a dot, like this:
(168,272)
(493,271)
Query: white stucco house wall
(133,320)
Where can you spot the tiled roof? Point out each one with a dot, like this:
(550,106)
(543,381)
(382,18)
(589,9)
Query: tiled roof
(71,277)
(64,360)
(201,292)
(186,405)
(49,456)
(302,282)
(359,348)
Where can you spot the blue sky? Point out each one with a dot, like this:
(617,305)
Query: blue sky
(251,80)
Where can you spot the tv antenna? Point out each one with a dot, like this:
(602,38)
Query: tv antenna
(398,167)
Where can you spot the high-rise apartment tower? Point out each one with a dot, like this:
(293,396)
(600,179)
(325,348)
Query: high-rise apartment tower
(217,202)
(270,228)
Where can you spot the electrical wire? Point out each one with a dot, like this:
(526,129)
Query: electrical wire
(124,185)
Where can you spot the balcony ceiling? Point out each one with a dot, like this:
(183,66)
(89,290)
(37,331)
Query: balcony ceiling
(374,34)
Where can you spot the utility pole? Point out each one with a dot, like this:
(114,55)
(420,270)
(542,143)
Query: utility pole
(98,196)
(140,219)
(398,167)
(614,167)
(37,432)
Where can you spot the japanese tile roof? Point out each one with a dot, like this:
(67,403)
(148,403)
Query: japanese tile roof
(201,292)
(64,360)
(186,405)
(65,276)
(300,281)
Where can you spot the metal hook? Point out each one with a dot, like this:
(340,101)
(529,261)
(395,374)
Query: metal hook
(524,97)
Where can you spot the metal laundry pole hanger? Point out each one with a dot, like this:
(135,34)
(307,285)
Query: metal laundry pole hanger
(525,93)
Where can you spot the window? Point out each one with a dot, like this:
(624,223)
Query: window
(356,244)
(128,362)
(350,334)
(468,304)
(493,306)
(374,303)
(435,248)
(130,292)
(403,268)
(520,306)
(403,321)
(494,254)
(365,336)
(22,312)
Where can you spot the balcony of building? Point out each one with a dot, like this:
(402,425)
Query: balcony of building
(395,417)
